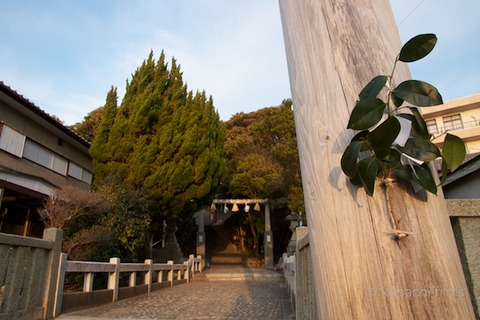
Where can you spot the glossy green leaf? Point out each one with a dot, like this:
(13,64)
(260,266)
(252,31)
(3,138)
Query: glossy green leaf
(356,181)
(444,172)
(349,159)
(453,151)
(396,100)
(420,175)
(393,157)
(366,114)
(418,93)
(383,136)
(367,171)
(362,136)
(419,127)
(417,47)
(424,178)
(421,149)
(373,88)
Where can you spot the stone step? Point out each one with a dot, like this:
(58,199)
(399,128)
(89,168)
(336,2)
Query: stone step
(227,258)
(238,274)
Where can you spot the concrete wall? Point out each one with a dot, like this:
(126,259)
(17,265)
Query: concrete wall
(465,218)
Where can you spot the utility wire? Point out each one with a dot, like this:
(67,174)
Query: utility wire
(408,15)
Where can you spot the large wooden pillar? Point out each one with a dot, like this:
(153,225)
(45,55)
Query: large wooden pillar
(334,48)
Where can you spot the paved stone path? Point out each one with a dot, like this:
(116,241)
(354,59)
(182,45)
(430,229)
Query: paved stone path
(242,300)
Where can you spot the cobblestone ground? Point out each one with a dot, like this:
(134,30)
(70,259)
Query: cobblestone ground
(240,300)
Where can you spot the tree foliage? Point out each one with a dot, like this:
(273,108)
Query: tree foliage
(79,213)
(162,139)
(263,162)
(88,127)
(68,203)
(128,219)
(262,154)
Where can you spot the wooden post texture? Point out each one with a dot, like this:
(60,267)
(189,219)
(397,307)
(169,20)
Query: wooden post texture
(334,48)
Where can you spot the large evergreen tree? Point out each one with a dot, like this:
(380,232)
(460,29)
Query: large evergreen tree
(163,139)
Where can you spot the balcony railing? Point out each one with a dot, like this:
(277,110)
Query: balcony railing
(455,126)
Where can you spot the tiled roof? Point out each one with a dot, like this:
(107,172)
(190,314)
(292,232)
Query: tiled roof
(35,109)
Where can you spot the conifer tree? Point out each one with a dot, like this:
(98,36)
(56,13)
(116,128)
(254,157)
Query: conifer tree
(99,150)
(163,139)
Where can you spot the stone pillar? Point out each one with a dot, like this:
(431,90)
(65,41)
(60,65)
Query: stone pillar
(201,249)
(293,218)
(1,196)
(54,235)
(268,240)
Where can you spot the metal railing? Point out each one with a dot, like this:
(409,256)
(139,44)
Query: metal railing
(454,127)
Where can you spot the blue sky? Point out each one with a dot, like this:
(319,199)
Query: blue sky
(64,55)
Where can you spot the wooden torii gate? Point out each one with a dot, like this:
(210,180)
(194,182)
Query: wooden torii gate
(268,237)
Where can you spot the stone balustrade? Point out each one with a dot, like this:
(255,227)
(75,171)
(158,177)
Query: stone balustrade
(28,272)
(33,271)
(298,273)
(153,276)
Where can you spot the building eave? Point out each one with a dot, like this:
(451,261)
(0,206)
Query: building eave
(30,109)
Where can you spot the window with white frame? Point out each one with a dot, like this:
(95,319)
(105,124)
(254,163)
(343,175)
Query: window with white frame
(19,145)
(87,176)
(453,122)
(44,157)
(79,173)
(432,126)
(11,140)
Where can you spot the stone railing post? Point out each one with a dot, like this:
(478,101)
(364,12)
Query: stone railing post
(170,272)
(191,265)
(200,265)
(160,276)
(149,274)
(113,278)
(88,282)
(132,279)
(54,235)
(60,282)
(188,265)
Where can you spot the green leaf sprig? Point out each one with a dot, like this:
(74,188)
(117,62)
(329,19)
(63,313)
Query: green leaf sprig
(394,144)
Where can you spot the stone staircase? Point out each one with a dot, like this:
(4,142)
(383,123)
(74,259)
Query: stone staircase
(237,273)
(228,256)
(227,263)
